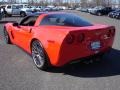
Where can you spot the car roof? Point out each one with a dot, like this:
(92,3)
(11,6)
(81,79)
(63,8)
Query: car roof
(37,13)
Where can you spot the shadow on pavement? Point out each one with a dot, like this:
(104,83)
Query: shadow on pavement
(109,66)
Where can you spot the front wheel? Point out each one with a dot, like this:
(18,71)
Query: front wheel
(22,14)
(99,14)
(6,37)
(39,56)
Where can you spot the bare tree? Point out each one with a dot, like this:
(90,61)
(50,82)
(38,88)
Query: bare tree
(106,2)
(84,3)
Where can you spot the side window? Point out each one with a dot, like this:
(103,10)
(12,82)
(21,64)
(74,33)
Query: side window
(53,21)
(9,7)
(29,21)
(64,20)
(20,6)
(14,7)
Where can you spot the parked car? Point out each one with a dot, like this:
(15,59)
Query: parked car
(90,9)
(78,9)
(117,15)
(84,9)
(1,13)
(114,13)
(48,9)
(62,7)
(39,8)
(56,39)
(70,8)
(33,8)
(111,14)
(101,10)
(56,8)
(17,9)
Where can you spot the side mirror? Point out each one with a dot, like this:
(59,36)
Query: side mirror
(15,24)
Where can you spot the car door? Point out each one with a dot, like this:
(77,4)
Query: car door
(9,9)
(24,36)
(15,10)
(23,32)
(21,35)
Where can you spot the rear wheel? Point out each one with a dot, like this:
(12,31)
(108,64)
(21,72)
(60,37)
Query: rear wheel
(99,14)
(117,17)
(6,37)
(22,14)
(39,56)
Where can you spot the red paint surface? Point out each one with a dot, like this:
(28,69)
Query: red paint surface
(53,40)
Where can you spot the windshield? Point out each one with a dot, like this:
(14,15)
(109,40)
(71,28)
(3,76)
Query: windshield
(65,20)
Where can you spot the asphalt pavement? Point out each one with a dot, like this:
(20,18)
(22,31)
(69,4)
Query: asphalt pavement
(17,71)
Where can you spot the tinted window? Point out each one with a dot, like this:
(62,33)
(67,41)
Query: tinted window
(15,7)
(26,6)
(20,6)
(65,20)
(28,21)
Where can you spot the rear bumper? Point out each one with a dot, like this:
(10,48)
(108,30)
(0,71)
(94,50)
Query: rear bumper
(88,58)
(76,53)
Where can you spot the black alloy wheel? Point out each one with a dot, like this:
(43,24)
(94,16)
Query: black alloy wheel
(22,14)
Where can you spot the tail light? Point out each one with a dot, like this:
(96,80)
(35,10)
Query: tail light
(109,34)
(112,32)
(70,39)
(80,37)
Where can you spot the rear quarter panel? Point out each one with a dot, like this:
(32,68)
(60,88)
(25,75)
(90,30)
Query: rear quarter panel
(51,40)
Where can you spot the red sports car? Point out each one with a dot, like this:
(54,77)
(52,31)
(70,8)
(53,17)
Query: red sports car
(55,39)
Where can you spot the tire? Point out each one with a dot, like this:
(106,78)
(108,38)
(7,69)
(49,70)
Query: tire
(39,56)
(99,14)
(22,14)
(118,18)
(6,37)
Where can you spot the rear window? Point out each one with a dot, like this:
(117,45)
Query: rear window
(65,20)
